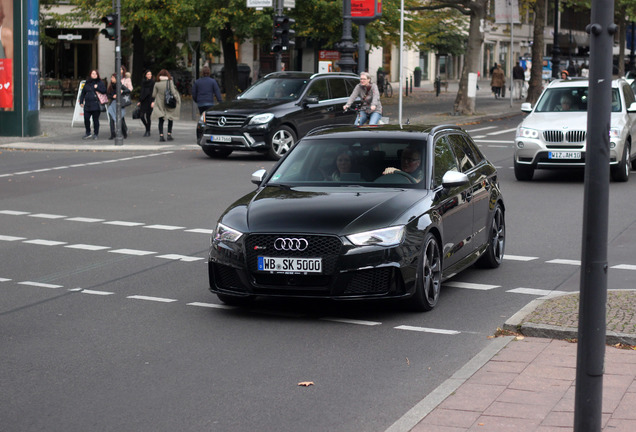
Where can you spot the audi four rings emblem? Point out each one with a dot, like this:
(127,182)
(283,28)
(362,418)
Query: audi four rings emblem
(290,244)
(222,121)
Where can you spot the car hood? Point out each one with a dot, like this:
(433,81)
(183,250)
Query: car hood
(337,211)
(248,106)
(564,120)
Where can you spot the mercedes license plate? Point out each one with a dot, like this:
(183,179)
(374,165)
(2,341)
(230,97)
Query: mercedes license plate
(221,138)
(290,265)
(564,155)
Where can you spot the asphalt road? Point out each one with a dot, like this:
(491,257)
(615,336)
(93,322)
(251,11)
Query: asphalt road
(106,322)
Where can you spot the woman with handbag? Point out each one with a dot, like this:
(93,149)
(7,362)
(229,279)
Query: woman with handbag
(166,102)
(126,86)
(145,101)
(89,100)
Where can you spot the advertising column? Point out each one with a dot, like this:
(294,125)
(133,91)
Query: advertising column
(19,67)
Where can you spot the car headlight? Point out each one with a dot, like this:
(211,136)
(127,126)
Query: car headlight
(224,233)
(262,118)
(391,236)
(525,132)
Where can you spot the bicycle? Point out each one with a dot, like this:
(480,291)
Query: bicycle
(387,91)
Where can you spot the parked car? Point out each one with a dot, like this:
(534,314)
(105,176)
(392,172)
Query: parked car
(554,134)
(271,115)
(314,228)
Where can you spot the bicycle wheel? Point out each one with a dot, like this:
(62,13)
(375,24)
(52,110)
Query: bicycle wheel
(388,90)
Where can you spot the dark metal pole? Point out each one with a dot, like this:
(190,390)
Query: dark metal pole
(119,140)
(362,37)
(632,65)
(555,42)
(346,46)
(279,56)
(593,291)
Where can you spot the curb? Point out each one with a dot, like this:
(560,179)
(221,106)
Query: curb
(97,147)
(517,324)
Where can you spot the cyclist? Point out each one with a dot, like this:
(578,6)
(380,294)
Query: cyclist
(371,108)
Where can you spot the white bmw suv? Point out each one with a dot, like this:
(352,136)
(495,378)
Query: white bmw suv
(553,135)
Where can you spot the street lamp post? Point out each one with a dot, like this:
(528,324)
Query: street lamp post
(346,46)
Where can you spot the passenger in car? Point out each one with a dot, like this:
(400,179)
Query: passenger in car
(343,165)
(566,103)
(410,163)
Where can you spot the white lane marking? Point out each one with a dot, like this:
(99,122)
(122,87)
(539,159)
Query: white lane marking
(468,285)
(351,321)
(22,172)
(87,247)
(482,129)
(200,231)
(210,305)
(177,257)
(4,280)
(155,299)
(502,131)
(42,242)
(624,267)
(6,175)
(39,284)
(132,252)
(536,292)
(84,219)
(123,223)
(47,216)
(93,292)
(164,227)
(427,330)
(519,258)
(13,212)
(565,261)
(11,238)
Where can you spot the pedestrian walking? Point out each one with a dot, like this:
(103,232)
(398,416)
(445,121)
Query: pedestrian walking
(89,100)
(126,85)
(161,111)
(145,101)
(205,89)
(497,81)
(518,78)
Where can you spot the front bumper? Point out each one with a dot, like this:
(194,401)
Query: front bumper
(536,154)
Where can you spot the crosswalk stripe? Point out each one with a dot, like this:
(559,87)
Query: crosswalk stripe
(468,285)
(156,299)
(39,284)
(519,258)
(351,321)
(536,292)
(427,330)
(564,261)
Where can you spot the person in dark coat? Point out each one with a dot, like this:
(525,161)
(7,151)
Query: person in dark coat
(205,89)
(90,102)
(145,101)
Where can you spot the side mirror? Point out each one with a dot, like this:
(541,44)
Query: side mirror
(310,100)
(632,108)
(258,176)
(526,107)
(453,179)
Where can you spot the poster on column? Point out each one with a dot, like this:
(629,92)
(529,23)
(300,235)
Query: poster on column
(33,54)
(6,55)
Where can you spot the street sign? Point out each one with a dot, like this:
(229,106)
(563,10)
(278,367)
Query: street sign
(69,36)
(259,4)
(365,11)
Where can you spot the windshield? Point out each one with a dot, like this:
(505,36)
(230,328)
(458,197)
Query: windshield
(347,162)
(571,99)
(276,88)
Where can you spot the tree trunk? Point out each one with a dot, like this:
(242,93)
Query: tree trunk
(535,86)
(139,56)
(230,69)
(463,104)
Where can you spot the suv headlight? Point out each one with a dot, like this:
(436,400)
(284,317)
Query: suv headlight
(224,233)
(524,132)
(262,118)
(391,236)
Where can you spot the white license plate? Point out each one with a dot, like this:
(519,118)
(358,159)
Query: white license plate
(564,155)
(290,265)
(221,138)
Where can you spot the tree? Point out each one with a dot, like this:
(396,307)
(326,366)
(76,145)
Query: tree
(476,11)
(535,86)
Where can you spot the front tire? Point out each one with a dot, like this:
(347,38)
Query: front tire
(429,276)
(620,172)
(493,256)
(523,172)
(283,139)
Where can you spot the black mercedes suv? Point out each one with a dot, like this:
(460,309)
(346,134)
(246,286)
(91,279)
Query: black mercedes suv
(276,111)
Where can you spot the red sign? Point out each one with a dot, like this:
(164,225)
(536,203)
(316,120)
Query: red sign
(328,55)
(363,11)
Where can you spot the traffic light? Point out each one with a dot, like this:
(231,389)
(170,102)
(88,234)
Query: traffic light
(111,25)
(283,36)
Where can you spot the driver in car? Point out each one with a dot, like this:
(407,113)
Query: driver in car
(410,163)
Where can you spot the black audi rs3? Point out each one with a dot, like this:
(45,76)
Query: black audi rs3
(362,213)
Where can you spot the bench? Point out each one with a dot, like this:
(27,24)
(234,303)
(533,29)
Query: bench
(52,88)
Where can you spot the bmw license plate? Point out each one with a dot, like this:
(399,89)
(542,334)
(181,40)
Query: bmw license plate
(221,138)
(290,265)
(564,155)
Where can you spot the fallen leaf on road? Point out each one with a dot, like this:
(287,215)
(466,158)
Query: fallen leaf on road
(306,383)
